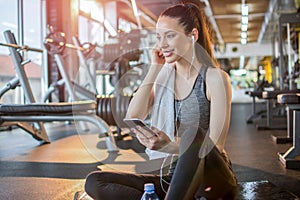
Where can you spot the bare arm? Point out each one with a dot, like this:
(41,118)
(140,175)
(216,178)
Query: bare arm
(140,105)
(142,100)
(219,94)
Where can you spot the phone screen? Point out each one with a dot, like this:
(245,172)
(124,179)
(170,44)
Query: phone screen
(132,123)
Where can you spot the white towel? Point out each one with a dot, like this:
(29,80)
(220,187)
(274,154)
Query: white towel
(162,115)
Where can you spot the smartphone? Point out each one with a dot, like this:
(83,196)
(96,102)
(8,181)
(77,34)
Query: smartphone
(133,122)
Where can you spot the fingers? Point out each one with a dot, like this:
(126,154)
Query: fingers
(138,134)
(156,47)
(158,57)
(159,52)
(146,131)
(153,138)
(155,130)
(161,55)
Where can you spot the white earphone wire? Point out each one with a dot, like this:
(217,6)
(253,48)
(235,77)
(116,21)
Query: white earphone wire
(193,56)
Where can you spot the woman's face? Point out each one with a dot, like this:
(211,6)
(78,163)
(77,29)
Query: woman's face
(172,40)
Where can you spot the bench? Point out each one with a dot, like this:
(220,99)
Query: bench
(291,158)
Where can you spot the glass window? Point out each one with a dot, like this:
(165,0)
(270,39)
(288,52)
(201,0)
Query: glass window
(31,37)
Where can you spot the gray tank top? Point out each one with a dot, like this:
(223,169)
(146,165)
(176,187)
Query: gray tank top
(194,110)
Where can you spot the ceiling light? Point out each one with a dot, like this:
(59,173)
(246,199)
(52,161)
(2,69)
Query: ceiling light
(244,19)
(244,22)
(243,41)
(244,34)
(244,27)
(245,9)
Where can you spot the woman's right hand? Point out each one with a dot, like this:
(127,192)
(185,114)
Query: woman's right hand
(157,56)
(159,142)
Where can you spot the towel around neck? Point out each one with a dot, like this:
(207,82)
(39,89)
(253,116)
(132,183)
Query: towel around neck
(162,115)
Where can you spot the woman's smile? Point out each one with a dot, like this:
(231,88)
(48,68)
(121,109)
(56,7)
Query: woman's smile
(168,53)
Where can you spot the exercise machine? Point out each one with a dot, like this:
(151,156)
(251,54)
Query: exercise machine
(292,102)
(31,116)
(55,44)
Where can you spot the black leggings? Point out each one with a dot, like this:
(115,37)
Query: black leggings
(106,185)
(194,177)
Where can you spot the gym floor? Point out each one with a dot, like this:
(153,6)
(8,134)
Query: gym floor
(29,170)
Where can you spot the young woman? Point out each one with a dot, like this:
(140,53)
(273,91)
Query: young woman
(189,100)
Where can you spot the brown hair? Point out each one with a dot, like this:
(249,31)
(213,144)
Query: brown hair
(191,16)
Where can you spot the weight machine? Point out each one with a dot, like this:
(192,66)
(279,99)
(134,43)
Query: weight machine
(292,102)
(55,44)
(30,116)
(286,70)
(115,57)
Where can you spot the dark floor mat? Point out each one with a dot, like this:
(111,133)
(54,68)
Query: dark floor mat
(256,190)
(261,190)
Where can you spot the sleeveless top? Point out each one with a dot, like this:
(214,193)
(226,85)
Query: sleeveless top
(193,110)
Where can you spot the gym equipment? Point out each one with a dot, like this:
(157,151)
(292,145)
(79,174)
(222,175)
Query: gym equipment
(82,55)
(287,20)
(116,56)
(38,129)
(111,108)
(128,47)
(20,115)
(65,80)
(274,122)
(120,58)
(80,92)
(22,48)
(255,114)
(55,43)
(292,101)
(260,86)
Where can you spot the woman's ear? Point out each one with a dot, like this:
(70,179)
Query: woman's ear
(195,35)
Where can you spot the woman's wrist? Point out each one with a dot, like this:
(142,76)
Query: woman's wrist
(171,147)
(152,74)
(154,69)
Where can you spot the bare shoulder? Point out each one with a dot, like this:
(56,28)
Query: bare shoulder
(216,77)
(218,83)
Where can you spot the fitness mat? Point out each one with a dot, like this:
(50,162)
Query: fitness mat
(261,190)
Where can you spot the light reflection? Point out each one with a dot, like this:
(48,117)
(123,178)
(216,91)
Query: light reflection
(249,191)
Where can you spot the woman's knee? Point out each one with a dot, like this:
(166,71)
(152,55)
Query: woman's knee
(91,182)
(95,180)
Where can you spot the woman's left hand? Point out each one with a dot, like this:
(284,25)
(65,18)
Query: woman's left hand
(155,141)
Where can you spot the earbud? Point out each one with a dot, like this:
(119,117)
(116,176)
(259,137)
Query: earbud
(193,39)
